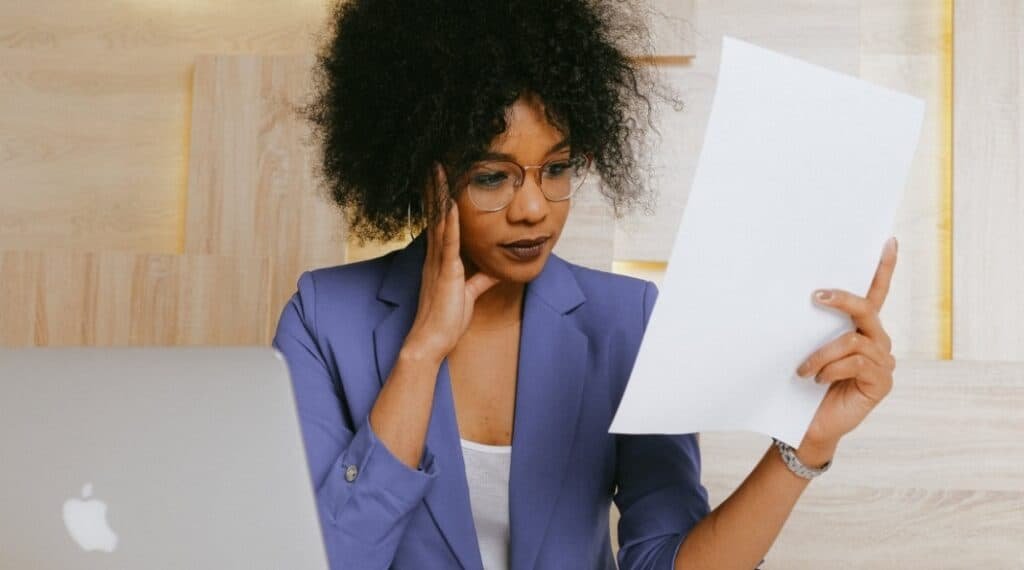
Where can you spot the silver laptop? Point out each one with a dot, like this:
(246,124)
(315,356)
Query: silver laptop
(172,457)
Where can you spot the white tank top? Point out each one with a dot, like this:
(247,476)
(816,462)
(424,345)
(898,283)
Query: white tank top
(487,472)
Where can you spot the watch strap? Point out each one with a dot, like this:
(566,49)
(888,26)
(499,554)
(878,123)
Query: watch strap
(795,465)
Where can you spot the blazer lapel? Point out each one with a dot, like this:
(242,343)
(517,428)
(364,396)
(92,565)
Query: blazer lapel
(549,388)
(553,355)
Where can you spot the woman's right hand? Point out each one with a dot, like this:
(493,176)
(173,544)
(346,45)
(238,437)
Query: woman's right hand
(446,297)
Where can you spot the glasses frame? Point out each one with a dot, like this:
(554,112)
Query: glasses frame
(464,184)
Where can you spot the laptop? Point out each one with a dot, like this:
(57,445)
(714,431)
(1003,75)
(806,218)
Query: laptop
(139,457)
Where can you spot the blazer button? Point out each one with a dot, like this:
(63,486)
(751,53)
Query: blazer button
(351,472)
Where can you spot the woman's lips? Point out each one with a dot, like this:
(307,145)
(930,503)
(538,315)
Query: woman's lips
(526,253)
(527,242)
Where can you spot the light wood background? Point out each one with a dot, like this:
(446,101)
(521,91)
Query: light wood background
(156,189)
(109,298)
(988,262)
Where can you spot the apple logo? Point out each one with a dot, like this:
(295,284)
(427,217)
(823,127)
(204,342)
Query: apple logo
(86,521)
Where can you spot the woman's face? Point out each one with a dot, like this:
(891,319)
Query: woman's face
(528,140)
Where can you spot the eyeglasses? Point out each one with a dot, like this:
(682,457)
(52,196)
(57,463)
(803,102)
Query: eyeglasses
(493,183)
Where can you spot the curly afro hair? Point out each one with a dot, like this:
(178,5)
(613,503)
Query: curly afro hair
(402,84)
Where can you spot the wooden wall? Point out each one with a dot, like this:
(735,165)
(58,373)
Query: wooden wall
(154,190)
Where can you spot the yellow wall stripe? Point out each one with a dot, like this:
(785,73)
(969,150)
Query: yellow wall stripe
(945,308)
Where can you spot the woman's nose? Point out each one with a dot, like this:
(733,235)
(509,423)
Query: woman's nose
(529,203)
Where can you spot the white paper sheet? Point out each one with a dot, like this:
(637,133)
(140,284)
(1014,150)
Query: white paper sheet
(797,186)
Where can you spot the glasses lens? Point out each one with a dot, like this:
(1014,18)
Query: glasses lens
(564,176)
(492,184)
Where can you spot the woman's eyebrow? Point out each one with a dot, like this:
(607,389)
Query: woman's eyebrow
(503,156)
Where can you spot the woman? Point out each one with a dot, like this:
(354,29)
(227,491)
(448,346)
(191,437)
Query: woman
(455,395)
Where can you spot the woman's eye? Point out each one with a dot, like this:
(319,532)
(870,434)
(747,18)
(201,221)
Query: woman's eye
(489,180)
(557,168)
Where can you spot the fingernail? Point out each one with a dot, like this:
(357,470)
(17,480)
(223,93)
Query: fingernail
(823,295)
(891,244)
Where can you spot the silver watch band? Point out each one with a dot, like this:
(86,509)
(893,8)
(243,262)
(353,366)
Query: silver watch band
(795,465)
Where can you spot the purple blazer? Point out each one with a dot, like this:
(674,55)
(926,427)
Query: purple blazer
(340,334)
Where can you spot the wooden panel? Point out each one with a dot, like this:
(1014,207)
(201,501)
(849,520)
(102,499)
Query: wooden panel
(673,154)
(869,528)
(939,460)
(94,127)
(71,298)
(252,169)
(588,237)
(673,27)
(911,27)
(988,175)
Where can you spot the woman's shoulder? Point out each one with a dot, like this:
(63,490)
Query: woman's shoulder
(615,295)
(350,276)
(341,293)
(590,278)
(350,282)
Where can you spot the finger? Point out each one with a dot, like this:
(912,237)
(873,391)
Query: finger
(451,261)
(847,344)
(435,218)
(434,229)
(442,194)
(861,310)
(872,381)
(425,201)
(846,367)
(429,227)
(883,275)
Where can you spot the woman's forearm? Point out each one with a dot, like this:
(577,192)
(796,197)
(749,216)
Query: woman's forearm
(739,532)
(401,415)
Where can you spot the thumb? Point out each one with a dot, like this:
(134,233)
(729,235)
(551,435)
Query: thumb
(478,284)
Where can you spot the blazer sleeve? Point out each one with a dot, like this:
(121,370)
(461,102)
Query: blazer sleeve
(365,496)
(659,496)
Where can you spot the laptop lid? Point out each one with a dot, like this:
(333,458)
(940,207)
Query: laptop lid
(162,457)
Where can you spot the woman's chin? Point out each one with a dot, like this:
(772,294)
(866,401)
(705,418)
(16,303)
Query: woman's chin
(518,271)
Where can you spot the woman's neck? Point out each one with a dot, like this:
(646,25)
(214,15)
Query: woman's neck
(499,306)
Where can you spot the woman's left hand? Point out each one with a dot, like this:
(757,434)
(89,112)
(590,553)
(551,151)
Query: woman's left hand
(858,365)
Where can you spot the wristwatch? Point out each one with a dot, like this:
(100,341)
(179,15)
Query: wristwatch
(795,465)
